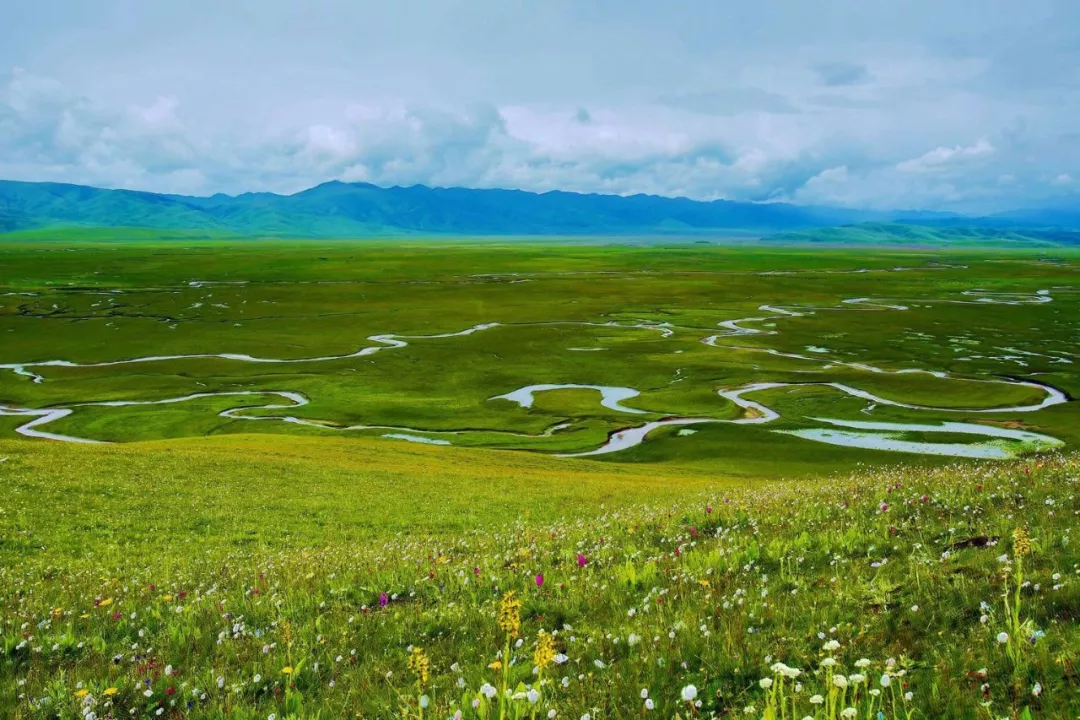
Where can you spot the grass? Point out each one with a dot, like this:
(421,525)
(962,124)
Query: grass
(208,566)
(565,315)
(241,578)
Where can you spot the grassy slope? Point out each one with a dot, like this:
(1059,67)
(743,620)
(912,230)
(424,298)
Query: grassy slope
(231,560)
(284,543)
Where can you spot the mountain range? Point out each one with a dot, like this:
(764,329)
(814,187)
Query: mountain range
(338,209)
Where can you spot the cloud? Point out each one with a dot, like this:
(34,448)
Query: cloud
(729,101)
(941,158)
(836,74)
(916,104)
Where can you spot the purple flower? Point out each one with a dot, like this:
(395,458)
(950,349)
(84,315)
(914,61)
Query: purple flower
(383,600)
(539,580)
(582,561)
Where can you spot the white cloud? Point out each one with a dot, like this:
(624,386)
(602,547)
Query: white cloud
(942,157)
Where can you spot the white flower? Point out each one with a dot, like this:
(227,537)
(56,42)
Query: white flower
(488,690)
(644,693)
(828,662)
(533,696)
(831,645)
(839,681)
(886,681)
(148,692)
(862,662)
(908,695)
(256,679)
(1037,690)
(816,700)
(765,683)
(424,701)
(271,716)
(551,714)
(848,712)
(649,704)
(689,693)
(1003,637)
(857,678)
(220,681)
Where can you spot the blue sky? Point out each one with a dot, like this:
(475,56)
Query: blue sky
(944,104)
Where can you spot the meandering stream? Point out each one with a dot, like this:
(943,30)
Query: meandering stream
(1000,442)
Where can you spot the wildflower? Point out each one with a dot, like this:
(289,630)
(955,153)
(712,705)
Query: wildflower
(1021,542)
(582,561)
(488,691)
(831,645)
(765,683)
(862,662)
(383,600)
(840,681)
(286,670)
(1003,637)
(539,580)
(424,701)
(419,664)
(533,696)
(644,693)
(510,614)
(816,700)
(1037,690)
(109,692)
(649,704)
(82,693)
(689,693)
(848,712)
(544,654)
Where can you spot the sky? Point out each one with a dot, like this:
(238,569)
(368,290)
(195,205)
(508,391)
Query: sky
(967,105)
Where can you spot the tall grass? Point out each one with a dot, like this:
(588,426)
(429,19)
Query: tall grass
(900,593)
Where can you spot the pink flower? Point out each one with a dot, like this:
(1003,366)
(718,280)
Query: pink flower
(884,507)
(582,561)
(539,580)
(383,600)
(708,509)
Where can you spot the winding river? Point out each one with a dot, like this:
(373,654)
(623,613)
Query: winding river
(998,442)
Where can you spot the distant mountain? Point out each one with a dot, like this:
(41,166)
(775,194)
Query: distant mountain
(876,234)
(337,209)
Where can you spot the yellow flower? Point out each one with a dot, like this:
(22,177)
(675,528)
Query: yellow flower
(105,603)
(167,598)
(545,650)
(287,670)
(57,612)
(419,664)
(82,693)
(109,692)
(510,614)
(495,665)
(84,615)
(1021,542)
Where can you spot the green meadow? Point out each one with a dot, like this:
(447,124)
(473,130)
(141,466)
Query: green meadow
(260,478)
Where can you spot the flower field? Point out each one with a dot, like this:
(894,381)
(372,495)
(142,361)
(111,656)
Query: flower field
(951,592)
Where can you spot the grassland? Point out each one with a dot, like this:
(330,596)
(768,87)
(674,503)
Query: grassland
(210,565)
(467,323)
